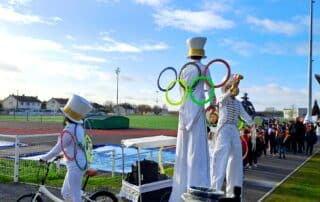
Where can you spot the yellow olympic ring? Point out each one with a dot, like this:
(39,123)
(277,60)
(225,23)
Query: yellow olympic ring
(185,95)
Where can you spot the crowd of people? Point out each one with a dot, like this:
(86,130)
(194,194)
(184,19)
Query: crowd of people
(275,138)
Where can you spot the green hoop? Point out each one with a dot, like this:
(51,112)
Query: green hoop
(211,95)
(185,95)
(88,147)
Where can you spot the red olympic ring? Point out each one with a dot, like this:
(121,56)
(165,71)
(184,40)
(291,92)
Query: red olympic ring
(62,148)
(246,146)
(228,71)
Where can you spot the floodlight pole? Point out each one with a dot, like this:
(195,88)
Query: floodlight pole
(308,115)
(118,72)
(157,99)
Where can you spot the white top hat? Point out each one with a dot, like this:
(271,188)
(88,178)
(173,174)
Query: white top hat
(196,46)
(76,108)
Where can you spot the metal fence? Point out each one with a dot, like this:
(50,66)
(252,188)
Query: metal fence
(31,116)
(15,148)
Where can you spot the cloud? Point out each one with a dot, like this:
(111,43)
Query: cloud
(241,47)
(86,58)
(27,44)
(153,3)
(153,47)
(192,21)
(9,14)
(70,37)
(108,1)
(8,68)
(218,6)
(279,27)
(112,45)
(19,2)
(275,95)
(246,48)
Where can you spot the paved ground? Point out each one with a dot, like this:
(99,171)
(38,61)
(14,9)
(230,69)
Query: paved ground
(258,181)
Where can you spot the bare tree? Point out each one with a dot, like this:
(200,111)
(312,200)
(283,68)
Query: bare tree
(156,110)
(144,108)
(108,105)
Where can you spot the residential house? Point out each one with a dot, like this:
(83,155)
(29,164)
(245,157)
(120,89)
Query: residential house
(124,109)
(54,104)
(23,103)
(97,107)
(293,113)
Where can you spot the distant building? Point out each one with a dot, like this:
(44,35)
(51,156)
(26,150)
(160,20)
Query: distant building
(293,113)
(97,107)
(16,102)
(54,104)
(124,109)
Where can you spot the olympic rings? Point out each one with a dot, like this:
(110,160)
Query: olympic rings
(211,95)
(228,71)
(189,64)
(188,91)
(185,95)
(158,81)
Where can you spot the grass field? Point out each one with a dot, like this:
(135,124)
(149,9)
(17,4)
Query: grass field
(154,121)
(32,172)
(136,121)
(302,186)
(169,122)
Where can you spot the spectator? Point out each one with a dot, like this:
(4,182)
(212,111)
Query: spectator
(266,138)
(246,138)
(293,137)
(281,139)
(272,139)
(311,138)
(300,134)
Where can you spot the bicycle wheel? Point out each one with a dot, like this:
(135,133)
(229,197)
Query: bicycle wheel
(29,198)
(103,196)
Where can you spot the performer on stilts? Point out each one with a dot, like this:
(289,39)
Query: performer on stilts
(192,157)
(227,156)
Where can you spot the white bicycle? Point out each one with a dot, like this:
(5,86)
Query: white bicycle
(86,197)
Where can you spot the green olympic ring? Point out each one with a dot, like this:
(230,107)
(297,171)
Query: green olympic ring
(188,91)
(185,95)
(88,146)
(211,95)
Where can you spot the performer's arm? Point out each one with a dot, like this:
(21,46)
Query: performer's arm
(66,141)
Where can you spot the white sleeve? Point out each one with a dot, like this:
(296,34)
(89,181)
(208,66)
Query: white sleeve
(225,96)
(57,149)
(208,87)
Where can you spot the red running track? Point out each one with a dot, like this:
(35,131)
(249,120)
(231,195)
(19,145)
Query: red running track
(133,132)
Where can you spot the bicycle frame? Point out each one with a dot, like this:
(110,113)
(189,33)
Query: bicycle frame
(44,191)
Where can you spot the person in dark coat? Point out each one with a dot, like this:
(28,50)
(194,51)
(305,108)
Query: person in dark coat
(311,138)
(300,134)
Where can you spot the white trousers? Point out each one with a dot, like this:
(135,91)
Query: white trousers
(191,161)
(71,189)
(227,160)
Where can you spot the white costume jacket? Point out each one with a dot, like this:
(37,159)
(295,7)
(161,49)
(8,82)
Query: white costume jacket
(227,156)
(192,157)
(71,190)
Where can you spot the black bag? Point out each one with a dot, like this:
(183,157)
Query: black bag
(149,172)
